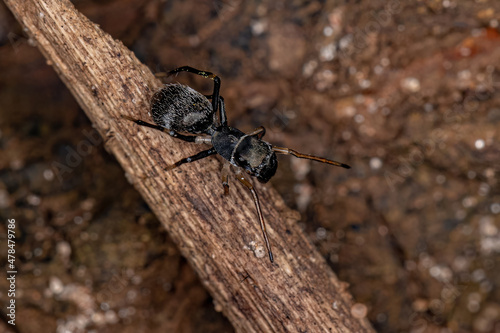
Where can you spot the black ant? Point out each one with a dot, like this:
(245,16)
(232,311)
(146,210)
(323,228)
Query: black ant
(179,110)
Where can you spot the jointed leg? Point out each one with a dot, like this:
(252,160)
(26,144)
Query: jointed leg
(225,174)
(174,134)
(222,112)
(222,109)
(288,151)
(205,74)
(249,185)
(199,156)
(259,132)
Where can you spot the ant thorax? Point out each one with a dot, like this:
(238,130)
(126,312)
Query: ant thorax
(246,151)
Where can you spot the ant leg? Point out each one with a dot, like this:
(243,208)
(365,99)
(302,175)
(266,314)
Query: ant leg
(189,69)
(222,110)
(196,157)
(225,173)
(288,151)
(249,185)
(259,132)
(207,75)
(188,138)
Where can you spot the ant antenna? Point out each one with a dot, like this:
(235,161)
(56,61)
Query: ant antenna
(288,151)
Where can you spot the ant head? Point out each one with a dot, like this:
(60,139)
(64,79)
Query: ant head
(257,158)
(268,168)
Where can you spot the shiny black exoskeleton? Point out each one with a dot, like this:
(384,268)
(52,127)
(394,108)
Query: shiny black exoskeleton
(184,113)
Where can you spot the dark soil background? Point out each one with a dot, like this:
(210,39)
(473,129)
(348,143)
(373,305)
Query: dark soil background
(407,93)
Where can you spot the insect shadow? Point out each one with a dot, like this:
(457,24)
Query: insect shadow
(186,114)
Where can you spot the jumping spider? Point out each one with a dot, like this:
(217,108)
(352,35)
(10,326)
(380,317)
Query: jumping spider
(179,110)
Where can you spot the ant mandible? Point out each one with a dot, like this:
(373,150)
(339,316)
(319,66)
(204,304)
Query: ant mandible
(179,110)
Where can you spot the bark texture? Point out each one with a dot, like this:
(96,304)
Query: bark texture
(219,235)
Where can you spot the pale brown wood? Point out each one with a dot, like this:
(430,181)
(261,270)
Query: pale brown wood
(298,293)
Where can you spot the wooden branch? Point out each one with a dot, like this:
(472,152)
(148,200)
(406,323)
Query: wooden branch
(219,236)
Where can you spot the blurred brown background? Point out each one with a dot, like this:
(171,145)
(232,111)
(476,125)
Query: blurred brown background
(406,93)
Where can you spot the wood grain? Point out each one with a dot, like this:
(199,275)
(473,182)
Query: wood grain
(218,235)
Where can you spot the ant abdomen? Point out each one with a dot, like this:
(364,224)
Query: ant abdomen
(182,109)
